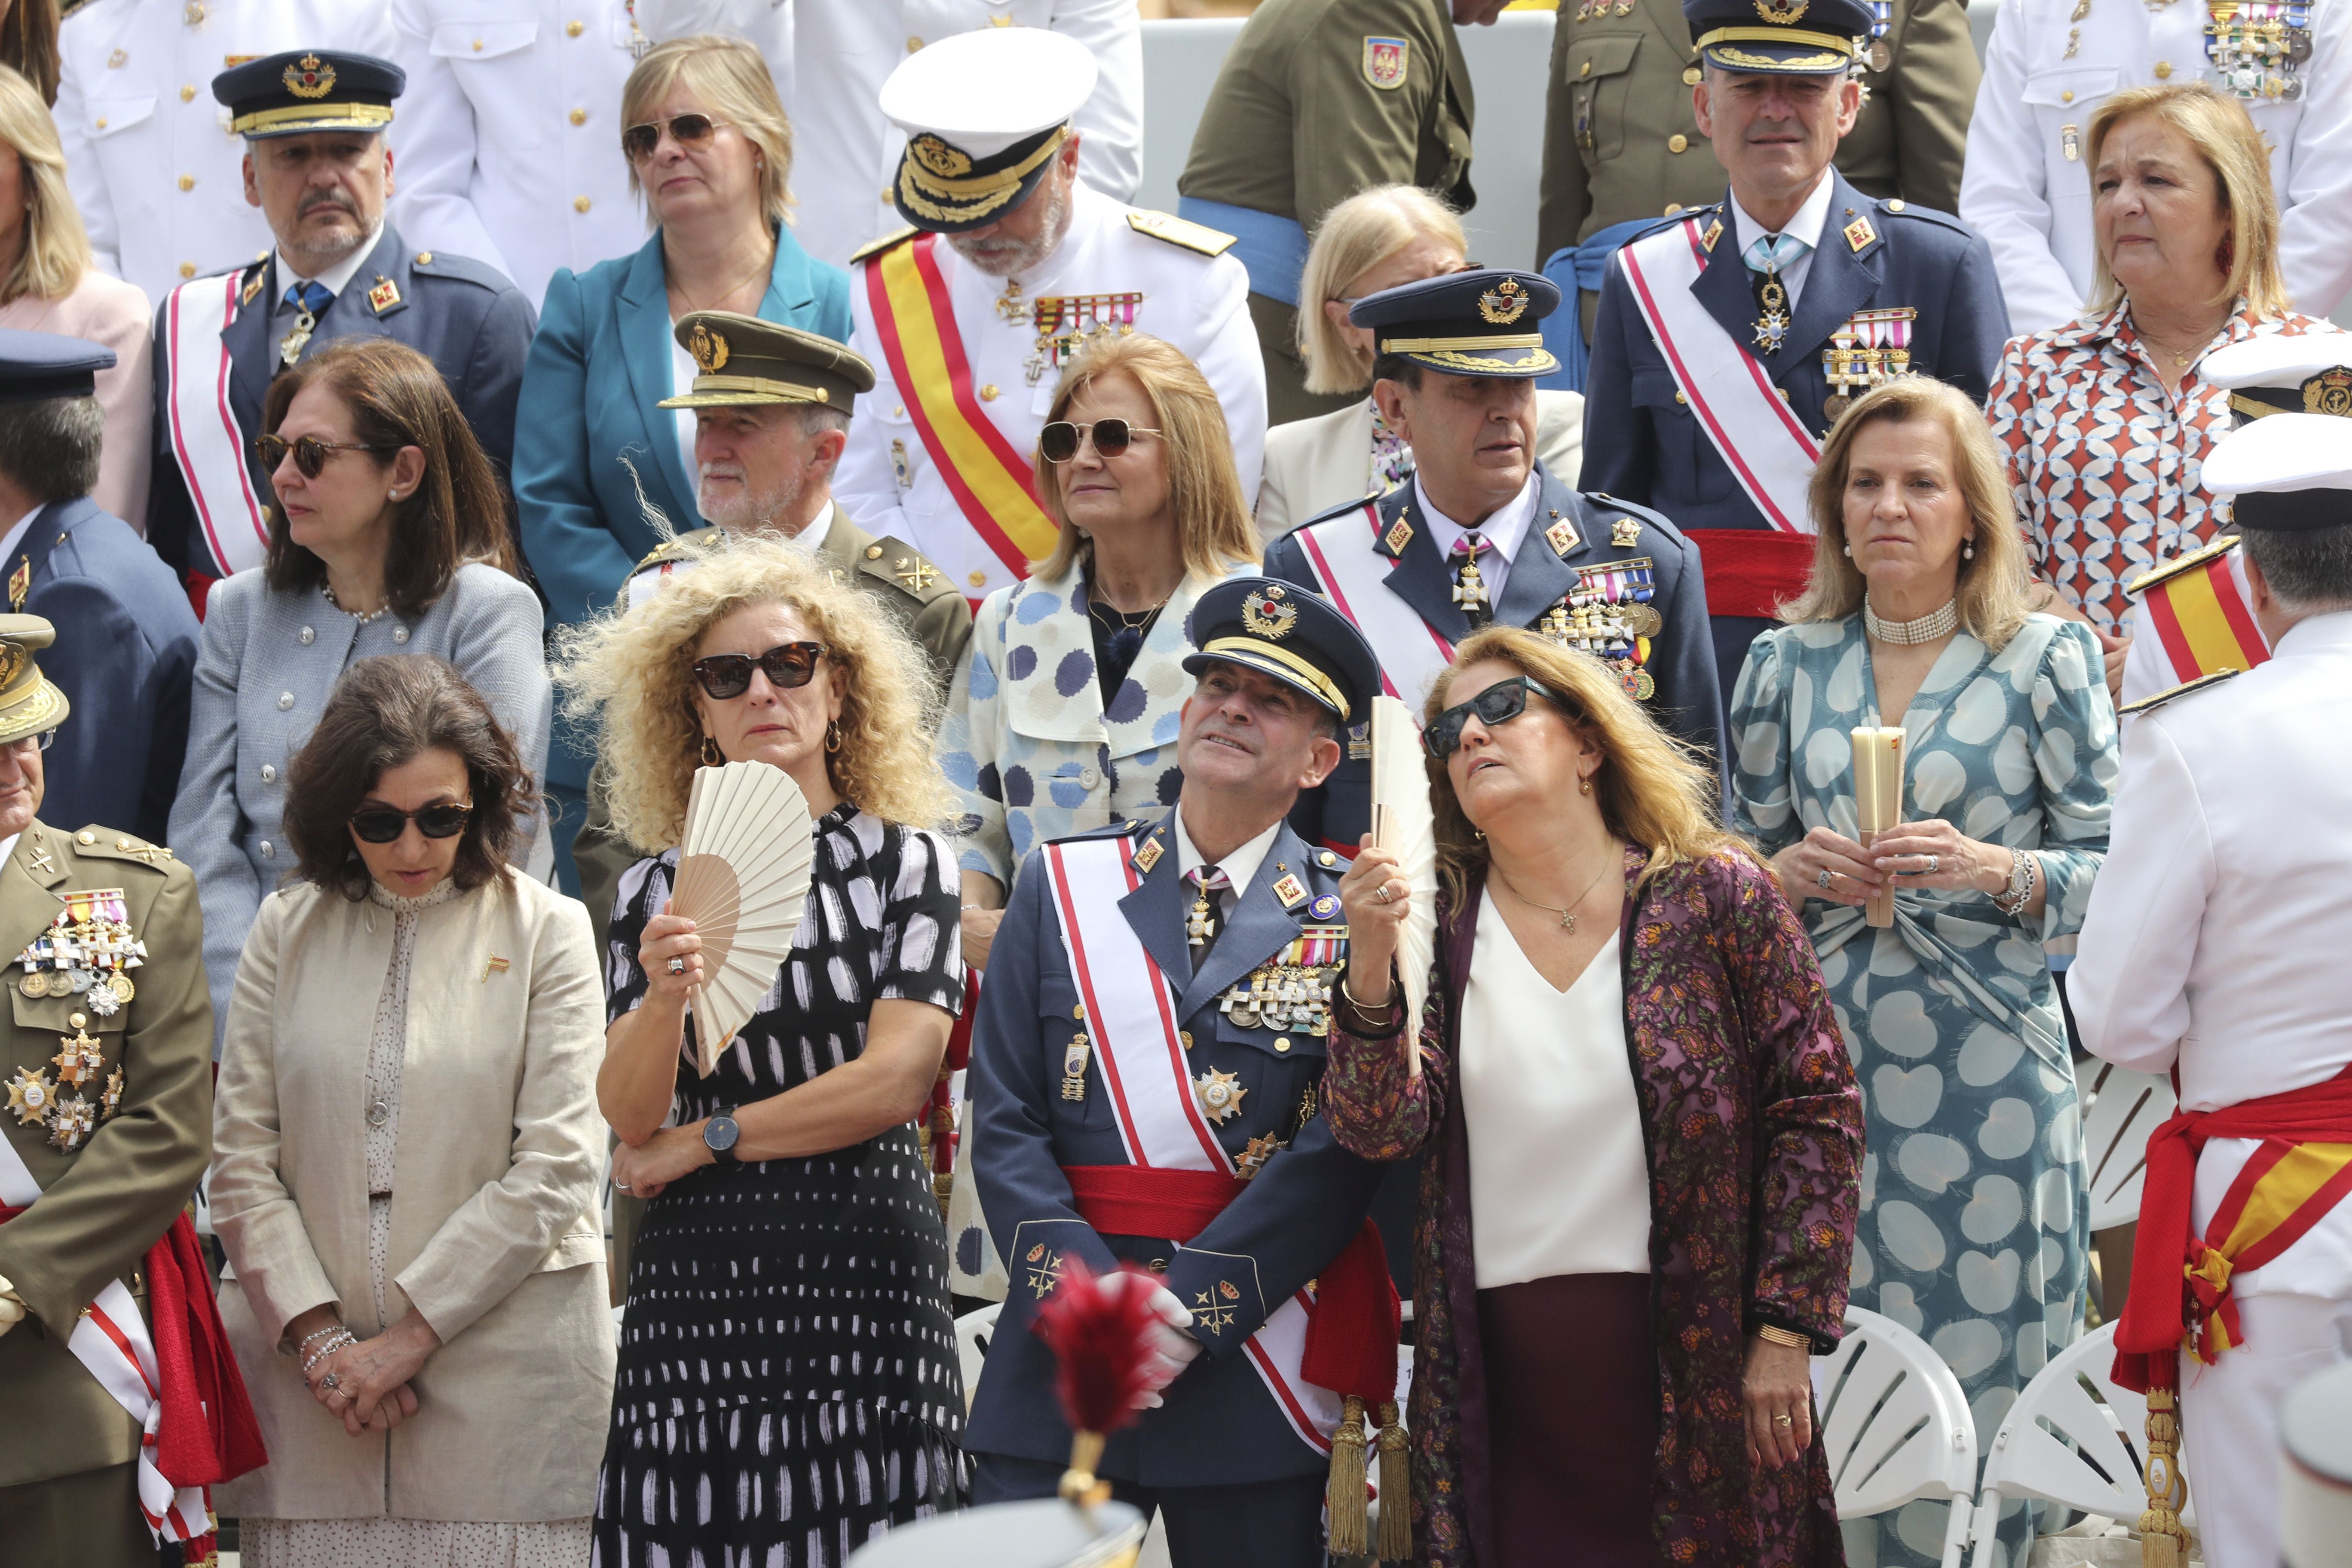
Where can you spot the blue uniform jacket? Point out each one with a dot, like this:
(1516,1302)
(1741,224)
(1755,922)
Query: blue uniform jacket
(1220,1425)
(462,314)
(1641,444)
(1686,701)
(593,452)
(125,653)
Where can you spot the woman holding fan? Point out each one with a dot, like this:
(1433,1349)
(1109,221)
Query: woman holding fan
(788,1375)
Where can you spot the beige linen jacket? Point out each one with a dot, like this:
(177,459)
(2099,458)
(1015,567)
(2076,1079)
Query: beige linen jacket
(494,1235)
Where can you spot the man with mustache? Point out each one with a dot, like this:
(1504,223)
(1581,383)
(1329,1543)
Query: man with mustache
(1147,1060)
(318,166)
(1012,262)
(1730,337)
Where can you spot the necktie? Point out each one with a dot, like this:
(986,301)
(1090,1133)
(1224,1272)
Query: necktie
(312,297)
(1469,588)
(1765,257)
(1201,925)
(307,300)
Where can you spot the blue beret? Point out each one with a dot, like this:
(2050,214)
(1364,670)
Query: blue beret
(1481,322)
(1286,631)
(309,90)
(38,365)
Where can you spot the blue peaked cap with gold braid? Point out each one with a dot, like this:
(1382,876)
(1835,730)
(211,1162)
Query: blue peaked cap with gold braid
(1779,37)
(1486,320)
(1297,637)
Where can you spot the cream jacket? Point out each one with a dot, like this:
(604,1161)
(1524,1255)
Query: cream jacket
(494,1235)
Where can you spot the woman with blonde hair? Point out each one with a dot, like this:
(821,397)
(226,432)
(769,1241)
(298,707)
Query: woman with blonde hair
(1916,617)
(1379,239)
(2105,422)
(49,283)
(790,1173)
(1642,1122)
(710,150)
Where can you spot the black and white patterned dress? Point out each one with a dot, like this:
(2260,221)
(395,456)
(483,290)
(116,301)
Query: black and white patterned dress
(788,1382)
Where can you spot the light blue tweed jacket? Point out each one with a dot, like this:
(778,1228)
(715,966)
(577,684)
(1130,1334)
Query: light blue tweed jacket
(268,662)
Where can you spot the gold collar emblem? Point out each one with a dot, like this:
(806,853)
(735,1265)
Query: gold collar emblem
(938,157)
(1504,303)
(2329,392)
(709,349)
(310,77)
(1268,615)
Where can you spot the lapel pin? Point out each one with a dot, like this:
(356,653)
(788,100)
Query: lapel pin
(496,965)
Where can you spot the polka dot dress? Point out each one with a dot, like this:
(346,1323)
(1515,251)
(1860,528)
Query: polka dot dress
(788,1384)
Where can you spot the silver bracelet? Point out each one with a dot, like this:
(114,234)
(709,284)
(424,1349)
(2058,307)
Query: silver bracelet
(311,1339)
(1364,1007)
(2025,870)
(329,1349)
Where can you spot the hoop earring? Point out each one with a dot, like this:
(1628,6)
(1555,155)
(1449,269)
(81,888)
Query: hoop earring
(713,757)
(833,736)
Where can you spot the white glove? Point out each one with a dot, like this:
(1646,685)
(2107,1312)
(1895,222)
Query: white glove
(1172,1350)
(12,1309)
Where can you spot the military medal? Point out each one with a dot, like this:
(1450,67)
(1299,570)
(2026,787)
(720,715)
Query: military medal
(1010,305)
(77,1058)
(1065,323)
(1469,588)
(1220,1096)
(29,1096)
(1626,533)
(70,1122)
(1881,18)
(1198,925)
(1253,1159)
(1772,326)
(1074,1068)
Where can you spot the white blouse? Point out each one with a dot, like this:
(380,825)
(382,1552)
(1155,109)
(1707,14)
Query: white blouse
(1559,1182)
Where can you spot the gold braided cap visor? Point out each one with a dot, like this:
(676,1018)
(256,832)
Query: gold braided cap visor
(1249,650)
(41,708)
(745,392)
(295,120)
(921,191)
(1836,53)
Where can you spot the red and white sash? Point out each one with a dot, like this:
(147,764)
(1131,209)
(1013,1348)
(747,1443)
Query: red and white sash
(207,442)
(1355,579)
(1762,440)
(112,1341)
(1131,1018)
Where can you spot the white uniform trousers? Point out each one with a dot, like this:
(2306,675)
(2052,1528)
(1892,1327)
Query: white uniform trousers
(2230,1421)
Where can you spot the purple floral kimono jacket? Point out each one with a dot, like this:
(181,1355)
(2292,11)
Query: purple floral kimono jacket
(1753,1128)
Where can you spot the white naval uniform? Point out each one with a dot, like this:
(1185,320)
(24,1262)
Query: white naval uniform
(155,169)
(2214,940)
(1199,304)
(508,146)
(845,153)
(2032,204)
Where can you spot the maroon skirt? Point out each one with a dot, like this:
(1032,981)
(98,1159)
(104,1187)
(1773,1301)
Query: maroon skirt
(1572,1414)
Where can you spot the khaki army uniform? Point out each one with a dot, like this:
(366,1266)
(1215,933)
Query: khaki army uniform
(1622,141)
(1319,78)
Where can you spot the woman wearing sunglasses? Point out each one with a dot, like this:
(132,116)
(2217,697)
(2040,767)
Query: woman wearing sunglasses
(386,536)
(791,1174)
(1644,1126)
(709,151)
(405,1155)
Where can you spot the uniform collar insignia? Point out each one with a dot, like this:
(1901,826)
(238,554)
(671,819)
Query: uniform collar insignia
(1561,536)
(1859,234)
(1399,535)
(383,296)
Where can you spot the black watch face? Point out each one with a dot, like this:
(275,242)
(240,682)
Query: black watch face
(721,1133)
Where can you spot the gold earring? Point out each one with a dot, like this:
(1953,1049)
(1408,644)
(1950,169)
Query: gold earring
(712,756)
(833,736)
(1584,784)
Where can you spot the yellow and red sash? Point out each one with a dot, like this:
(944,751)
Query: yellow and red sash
(2196,609)
(992,484)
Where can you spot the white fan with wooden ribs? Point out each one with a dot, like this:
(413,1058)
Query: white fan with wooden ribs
(743,880)
(1404,825)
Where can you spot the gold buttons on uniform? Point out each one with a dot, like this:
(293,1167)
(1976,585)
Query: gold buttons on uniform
(188,182)
(1283,1043)
(874,553)
(573,29)
(580,204)
(579,117)
(1895,205)
(990,393)
(2163,70)
(187,269)
(1783,392)
(1186,1036)
(102,122)
(1680,398)
(1586,70)
(76,1020)
(914,44)
(1677,142)
(1691,75)
(900,412)
(887,194)
(1673,207)
(477,46)
(188,94)
(2067,96)
(122,844)
(85,837)
(978,579)
(424,258)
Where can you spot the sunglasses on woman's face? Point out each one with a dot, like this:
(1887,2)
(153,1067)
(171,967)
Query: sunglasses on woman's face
(382,823)
(786,666)
(311,454)
(691,131)
(1059,441)
(1499,704)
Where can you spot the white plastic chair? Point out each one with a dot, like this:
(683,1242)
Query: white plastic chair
(2074,1439)
(1895,1424)
(2120,1108)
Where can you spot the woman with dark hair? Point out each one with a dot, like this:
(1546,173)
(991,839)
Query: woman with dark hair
(386,537)
(407,1192)
(29,43)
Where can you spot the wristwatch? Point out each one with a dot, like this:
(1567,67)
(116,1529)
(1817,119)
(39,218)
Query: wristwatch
(719,1133)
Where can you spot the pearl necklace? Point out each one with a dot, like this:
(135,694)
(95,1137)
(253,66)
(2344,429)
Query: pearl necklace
(374,614)
(1927,628)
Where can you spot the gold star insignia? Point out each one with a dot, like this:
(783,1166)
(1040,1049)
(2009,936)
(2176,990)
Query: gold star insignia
(916,573)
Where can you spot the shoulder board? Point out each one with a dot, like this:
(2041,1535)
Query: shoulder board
(873,247)
(907,569)
(2148,704)
(1601,501)
(458,269)
(1895,206)
(2166,571)
(1178,231)
(1659,225)
(1342,509)
(97,843)
(673,549)
(1125,827)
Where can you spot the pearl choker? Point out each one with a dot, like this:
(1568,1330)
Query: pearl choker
(1927,628)
(375,614)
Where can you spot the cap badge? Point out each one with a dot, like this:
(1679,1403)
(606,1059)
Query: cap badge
(1781,12)
(2329,392)
(310,77)
(12,663)
(938,157)
(709,349)
(1267,615)
(1504,303)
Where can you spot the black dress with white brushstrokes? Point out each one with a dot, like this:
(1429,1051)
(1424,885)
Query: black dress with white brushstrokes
(788,1382)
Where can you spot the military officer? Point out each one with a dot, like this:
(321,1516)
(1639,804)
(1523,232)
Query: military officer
(150,156)
(108,1128)
(126,640)
(1147,1052)
(2048,67)
(1483,534)
(1012,262)
(2213,949)
(317,165)
(1731,336)
(1319,100)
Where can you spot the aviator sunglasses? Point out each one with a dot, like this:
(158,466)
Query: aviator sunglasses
(786,666)
(382,823)
(691,131)
(311,454)
(1499,703)
(1058,442)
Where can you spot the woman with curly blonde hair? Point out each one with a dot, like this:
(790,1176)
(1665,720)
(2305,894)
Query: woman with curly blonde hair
(796,1155)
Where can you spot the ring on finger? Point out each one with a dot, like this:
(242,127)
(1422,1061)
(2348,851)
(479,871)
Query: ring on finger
(1382,892)
(1933,861)
(1784,1420)
(1826,877)
(677,966)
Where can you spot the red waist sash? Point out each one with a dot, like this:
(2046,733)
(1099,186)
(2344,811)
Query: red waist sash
(1750,570)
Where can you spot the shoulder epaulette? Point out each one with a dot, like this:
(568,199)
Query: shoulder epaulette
(459,270)
(1178,231)
(1896,206)
(2165,571)
(1342,509)
(2148,704)
(676,548)
(1124,827)
(873,247)
(907,569)
(97,843)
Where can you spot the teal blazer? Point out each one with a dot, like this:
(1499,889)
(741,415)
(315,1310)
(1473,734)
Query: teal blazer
(600,363)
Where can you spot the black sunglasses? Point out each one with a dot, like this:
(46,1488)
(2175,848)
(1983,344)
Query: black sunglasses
(786,666)
(382,824)
(1058,442)
(691,131)
(311,454)
(1503,701)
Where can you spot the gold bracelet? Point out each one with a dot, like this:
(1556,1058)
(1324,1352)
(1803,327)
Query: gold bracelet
(1774,1334)
(1366,1009)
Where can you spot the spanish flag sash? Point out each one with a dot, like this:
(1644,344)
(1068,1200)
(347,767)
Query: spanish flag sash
(2194,612)
(992,484)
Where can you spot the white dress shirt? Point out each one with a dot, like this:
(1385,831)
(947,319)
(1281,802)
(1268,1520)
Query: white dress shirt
(1240,867)
(337,277)
(1807,226)
(1504,529)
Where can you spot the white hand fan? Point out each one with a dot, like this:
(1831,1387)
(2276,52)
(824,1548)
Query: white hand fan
(742,879)
(1404,825)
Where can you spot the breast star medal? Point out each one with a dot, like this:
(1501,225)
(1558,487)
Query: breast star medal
(1220,1097)
(78,1059)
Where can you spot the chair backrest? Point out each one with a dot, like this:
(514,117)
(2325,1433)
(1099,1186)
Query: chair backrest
(2120,1108)
(2075,1437)
(1893,1420)
(972,1332)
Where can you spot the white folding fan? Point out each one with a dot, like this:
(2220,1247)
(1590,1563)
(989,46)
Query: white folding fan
(742,879)
(1404,824)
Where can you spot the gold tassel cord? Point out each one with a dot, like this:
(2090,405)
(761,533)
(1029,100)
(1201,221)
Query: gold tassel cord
(1396,1489)
(1345,1496)
(2163,1542)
